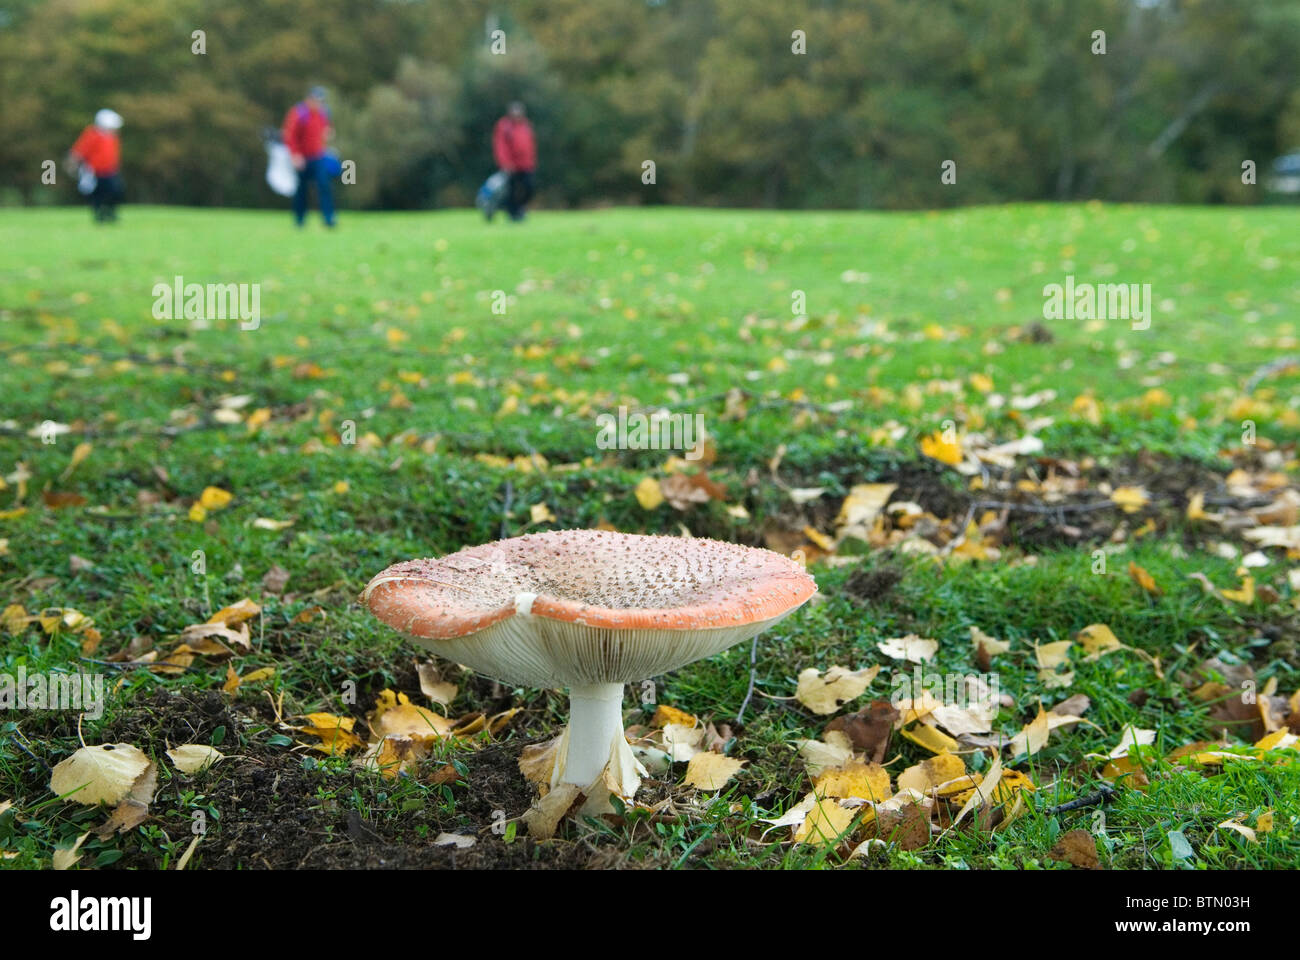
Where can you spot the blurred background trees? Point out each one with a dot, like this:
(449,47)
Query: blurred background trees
(710,90)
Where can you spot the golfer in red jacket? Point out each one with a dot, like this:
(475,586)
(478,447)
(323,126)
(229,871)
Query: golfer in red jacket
(515,151)
(306,131)
(99,151)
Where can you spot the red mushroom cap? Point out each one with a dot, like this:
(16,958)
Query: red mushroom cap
(611,587)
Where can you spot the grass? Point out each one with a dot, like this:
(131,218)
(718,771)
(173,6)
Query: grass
(465,418)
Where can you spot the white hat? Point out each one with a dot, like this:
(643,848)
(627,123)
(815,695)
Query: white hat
(108,120)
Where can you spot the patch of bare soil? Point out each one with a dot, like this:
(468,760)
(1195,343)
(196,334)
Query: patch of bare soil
(278,810)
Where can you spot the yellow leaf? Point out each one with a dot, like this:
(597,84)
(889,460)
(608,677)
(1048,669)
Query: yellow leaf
(1246,593)
(1130,499)
(99,774)
(936,741)
(236,613)
(826,693)
(930,773)
(194,757)
(1034,735)
(1098,640)
(1052,655)
(541,513)
(1144,579)
(711,771)
(937,448)
(664,715)
(869,781)
(648,493)
(826,822)
(214,498)
(14,618)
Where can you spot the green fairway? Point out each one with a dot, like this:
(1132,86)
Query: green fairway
(417,383)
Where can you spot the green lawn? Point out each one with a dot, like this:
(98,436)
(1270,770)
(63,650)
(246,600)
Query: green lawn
(467,417)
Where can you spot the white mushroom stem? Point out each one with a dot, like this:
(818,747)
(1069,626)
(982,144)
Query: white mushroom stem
(595,727)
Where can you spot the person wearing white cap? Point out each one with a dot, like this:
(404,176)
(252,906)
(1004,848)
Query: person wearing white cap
(97,156)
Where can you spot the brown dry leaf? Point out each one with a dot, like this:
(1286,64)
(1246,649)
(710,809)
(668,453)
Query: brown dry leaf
(826,693)
(870,729)
(711,771)
(1077,848)
(904,820)
(682,490)
(275,580)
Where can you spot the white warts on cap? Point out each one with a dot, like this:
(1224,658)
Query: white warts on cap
(524,603)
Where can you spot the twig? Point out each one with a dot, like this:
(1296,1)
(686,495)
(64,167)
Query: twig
(753,677)
(1092,799)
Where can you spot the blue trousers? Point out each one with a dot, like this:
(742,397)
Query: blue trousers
(314,172)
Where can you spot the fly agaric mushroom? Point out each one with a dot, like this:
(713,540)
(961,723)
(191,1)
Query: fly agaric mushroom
(590,610)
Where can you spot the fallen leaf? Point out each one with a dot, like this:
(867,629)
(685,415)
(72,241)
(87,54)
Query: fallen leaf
(545,814)
(1130,499)
(711,771)
(66,858)
(826,693)
(1144,579)
(648,493)
(100,774)
(1098,640)
(868,781)
(1077,848)
(193,757)
(911,647)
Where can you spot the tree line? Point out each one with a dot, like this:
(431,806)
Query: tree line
(776,103)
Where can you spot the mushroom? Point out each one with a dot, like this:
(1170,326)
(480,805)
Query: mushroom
(590,610)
